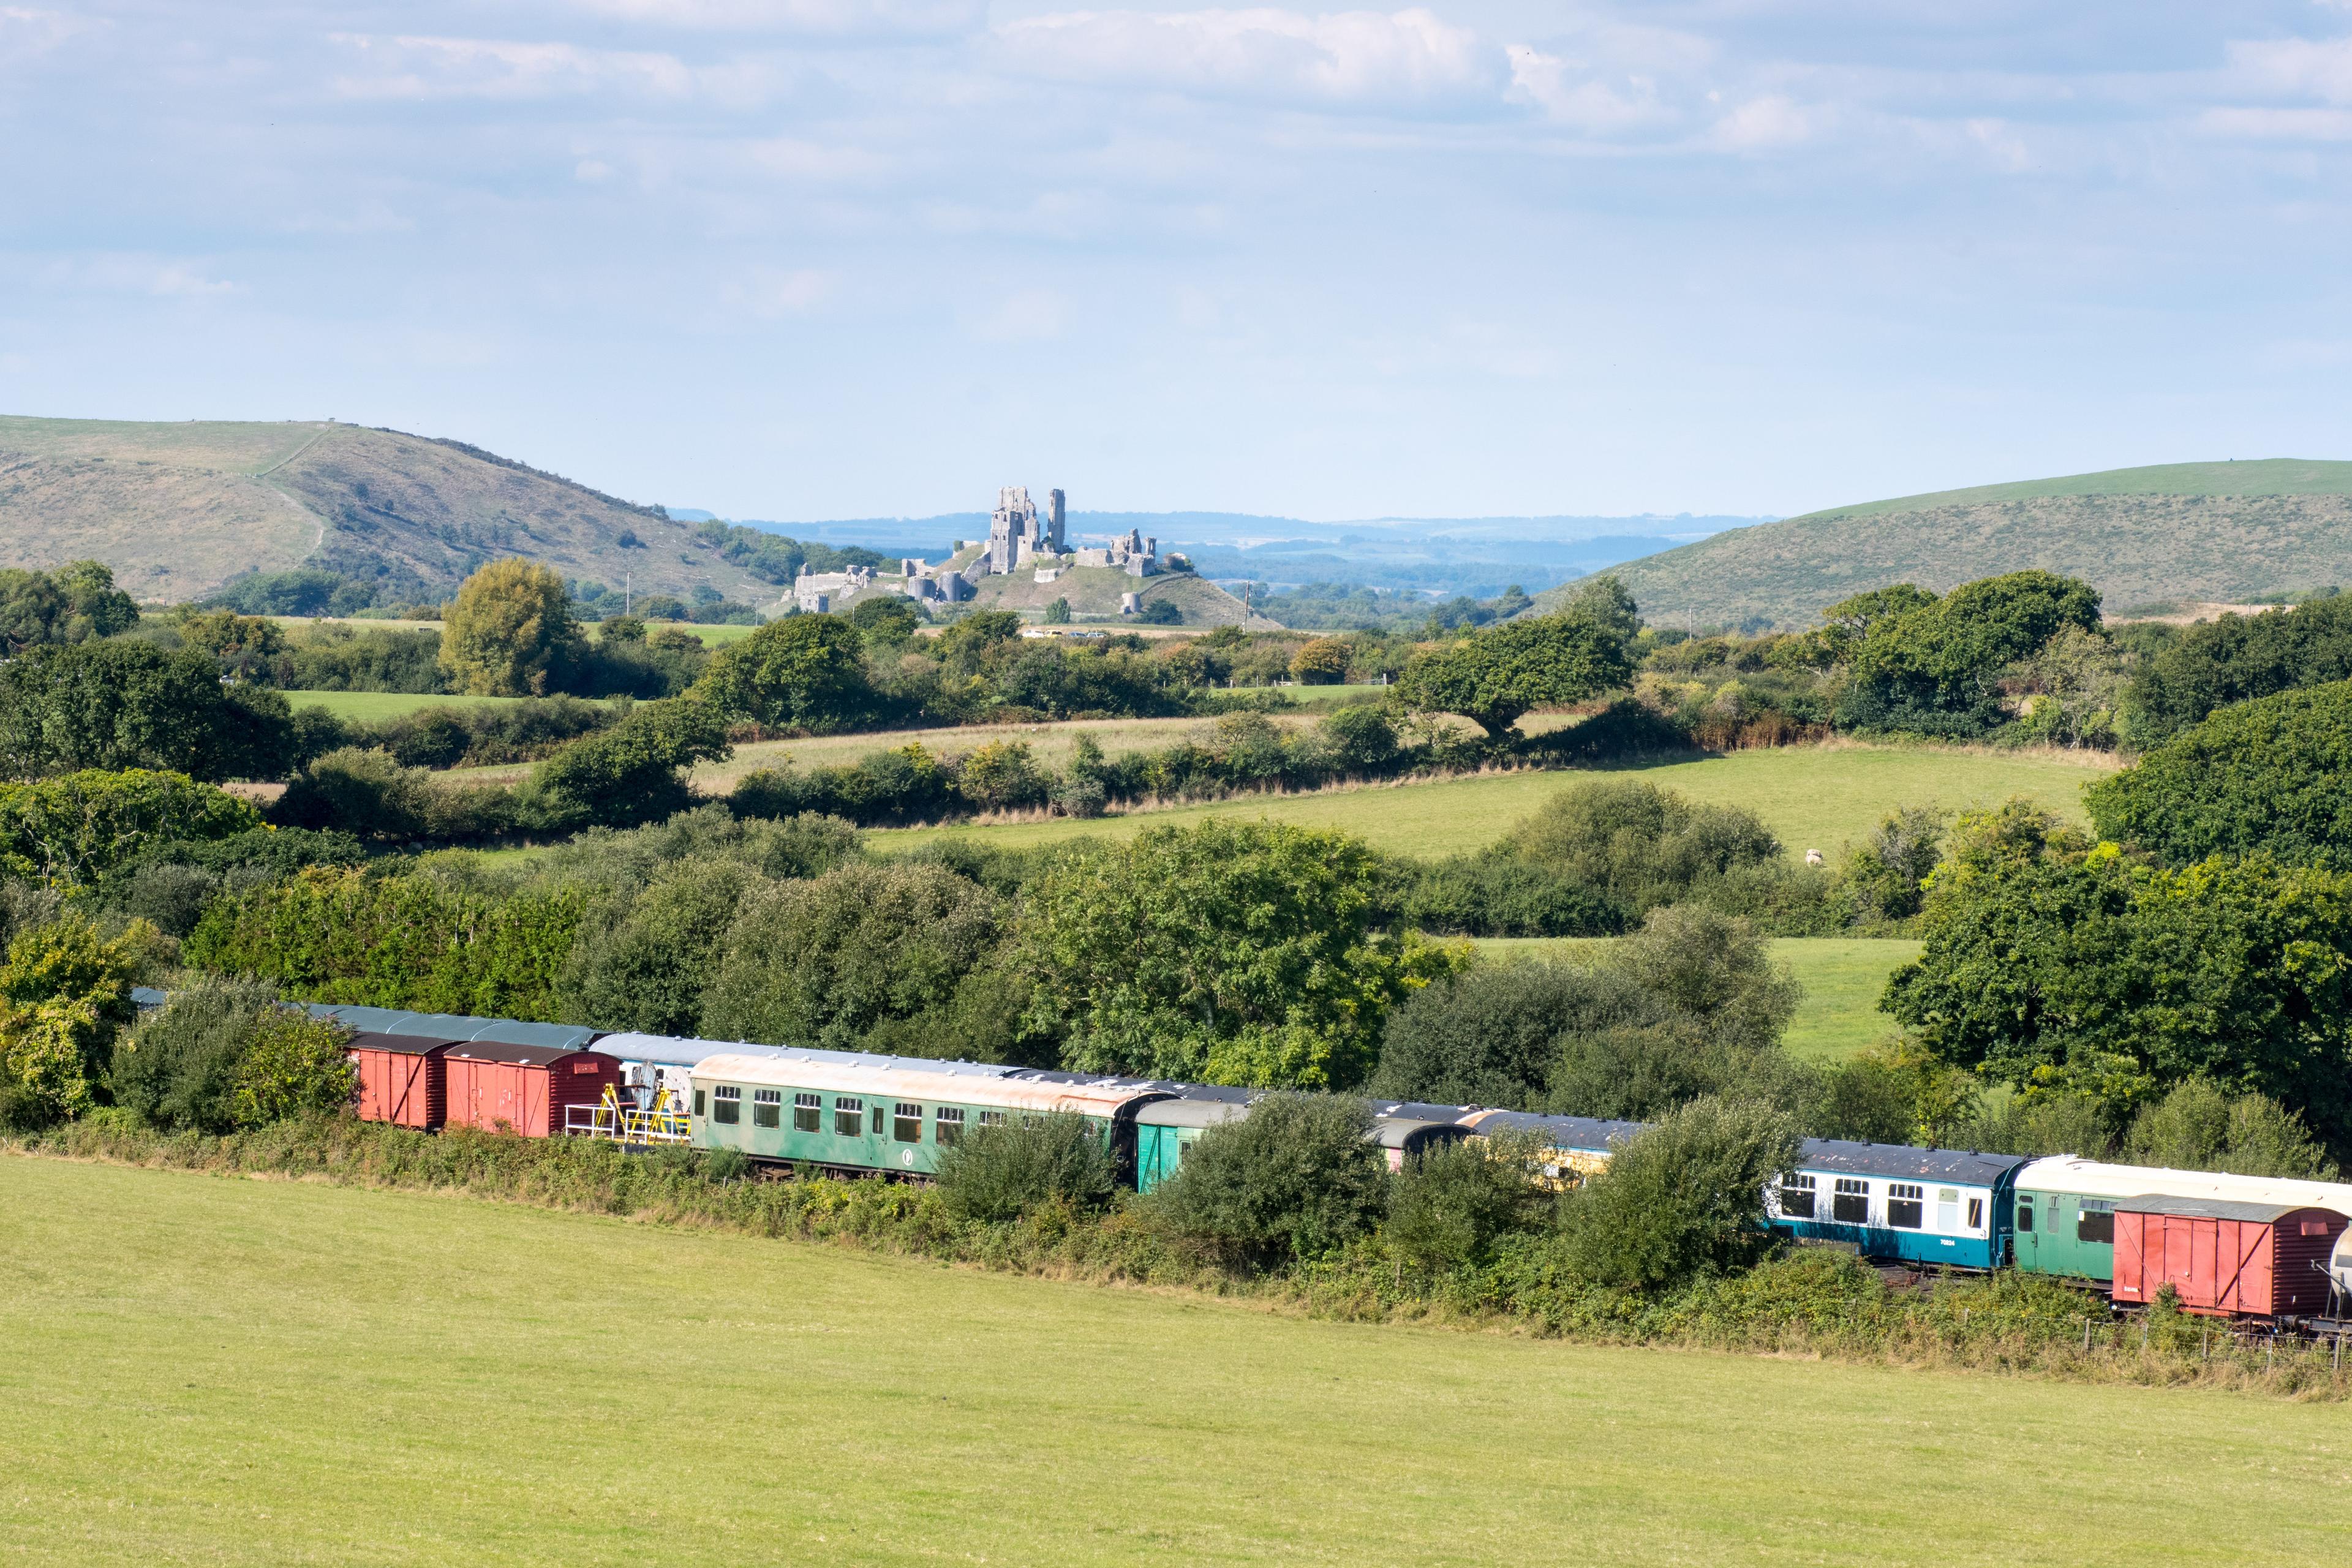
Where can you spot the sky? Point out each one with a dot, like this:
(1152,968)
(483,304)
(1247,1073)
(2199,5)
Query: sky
(810,259)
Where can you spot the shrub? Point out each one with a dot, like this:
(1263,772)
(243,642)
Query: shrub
(1491,678)
(1297,1178)
(331,936)
(370,795)
(1005,1170)
(74,830)
(2264,776)
(1933,667)
(804,672)
(1639,846)
(65,991)
(1497,893)
(1452,1205)
(293,1066)
(119,704)
(1491,1035)
(1321,661)
(1887,875)
(2200,1127)
(1683,1200)
(821,962)
(631,773)
(645,964)
(179,1068)
(2237,659)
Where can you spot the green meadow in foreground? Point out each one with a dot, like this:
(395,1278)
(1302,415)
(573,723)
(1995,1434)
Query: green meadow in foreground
(202,1368)
(1813,797)
(1843,977)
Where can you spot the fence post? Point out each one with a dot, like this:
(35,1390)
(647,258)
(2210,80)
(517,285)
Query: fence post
(2086,1336)
(2205,1343)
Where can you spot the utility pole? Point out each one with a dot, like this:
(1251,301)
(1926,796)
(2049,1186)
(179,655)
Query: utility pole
(629,590)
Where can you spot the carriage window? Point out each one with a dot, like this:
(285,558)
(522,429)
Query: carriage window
(767,1107)
(947,1127)
(1948,1208)
(1797,1196)
(2025,1214)
(698,1102)
(1904,1205)
(727,1105)
(848,1117)
(992,1118)
(808,1112)
(1850,1203)
(1976,1213)
(878,1121)
(905,1124)
(2097,1222)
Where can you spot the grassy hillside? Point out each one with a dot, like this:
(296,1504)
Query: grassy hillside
(199,1370)
(178,510)
(1094,592)
(1813,797)
(2218,532)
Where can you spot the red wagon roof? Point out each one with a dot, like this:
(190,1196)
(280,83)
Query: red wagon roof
(513,1055)
(406,1044)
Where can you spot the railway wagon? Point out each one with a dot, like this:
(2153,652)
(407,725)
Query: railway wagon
(528,1089)
(1573,1147)
(2223,1258)
(1166,1130)
(1890,1201)
(403,1078)
(2064,1221)
(887,1113)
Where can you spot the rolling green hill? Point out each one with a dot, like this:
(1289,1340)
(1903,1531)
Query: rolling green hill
(2226,532)
(179,509)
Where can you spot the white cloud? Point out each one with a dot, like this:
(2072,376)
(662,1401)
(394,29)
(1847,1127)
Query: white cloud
(1571,93)
(1354,57)
(832,17)
(436,68)
(795,159)
(1033,315)
(2296,67)
(771,292)
(25,31)
(161,277)
(1767,123)
(2278,124)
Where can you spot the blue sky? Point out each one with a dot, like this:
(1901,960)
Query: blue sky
(804,258)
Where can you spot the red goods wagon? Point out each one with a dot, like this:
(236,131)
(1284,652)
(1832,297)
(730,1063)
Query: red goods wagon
(403,1079)
(2223,1259)
(523,1089)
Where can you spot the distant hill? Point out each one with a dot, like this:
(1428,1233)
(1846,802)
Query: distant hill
(179,509)
(2218,532)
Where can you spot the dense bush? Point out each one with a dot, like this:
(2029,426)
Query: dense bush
(2236,658)
(117,705)
(76,829)
(1296,1178)
(632,772)
(65,991)
(294,1066)
(370,795)
(179,1068)
(1498,892)
(394,942)
(644,963)
(1932,667)
(804,672)
(2199,1126)
(72,604)
(612,858)
(2051,963)
(1233,952)
(1003,1171)
(824,961)
(2264,776)
(1449,1206)
(1684,1199)
(1691,1004)
(1637,846)
(457,737)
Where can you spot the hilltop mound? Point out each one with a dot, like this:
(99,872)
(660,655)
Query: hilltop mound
(179,509)
(1094,595)
(2218,532)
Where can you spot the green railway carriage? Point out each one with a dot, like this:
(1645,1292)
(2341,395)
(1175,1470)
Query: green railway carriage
(887,1113)
(2064,1218)
(1165,1129)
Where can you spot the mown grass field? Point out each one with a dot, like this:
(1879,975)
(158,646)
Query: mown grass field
(1813,797)
(198,1369)
(1843,977)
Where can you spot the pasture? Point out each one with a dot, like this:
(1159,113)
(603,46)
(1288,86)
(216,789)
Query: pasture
(1843,977)
(205,1369)
(1825,797)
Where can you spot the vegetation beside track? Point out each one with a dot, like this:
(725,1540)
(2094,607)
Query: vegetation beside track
(1812,1302)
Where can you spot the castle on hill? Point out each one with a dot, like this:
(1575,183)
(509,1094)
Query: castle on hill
(1020,538)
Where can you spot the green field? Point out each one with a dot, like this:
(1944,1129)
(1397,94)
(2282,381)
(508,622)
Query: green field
(1843,977)
(1814,797)
(204,1370)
